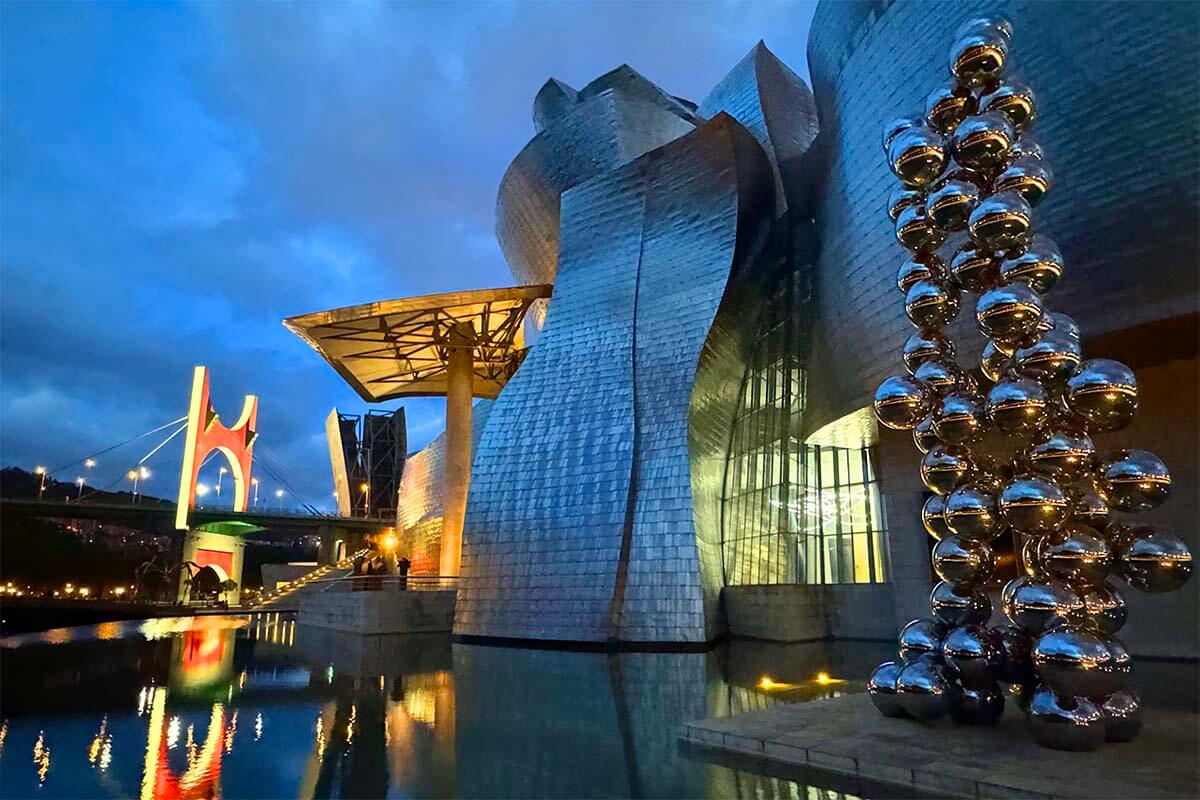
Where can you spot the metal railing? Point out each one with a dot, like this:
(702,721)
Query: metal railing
(388,583)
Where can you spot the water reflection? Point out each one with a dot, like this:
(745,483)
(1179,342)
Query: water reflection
(257,707)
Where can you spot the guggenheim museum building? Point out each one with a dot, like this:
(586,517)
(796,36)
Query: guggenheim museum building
(662,432)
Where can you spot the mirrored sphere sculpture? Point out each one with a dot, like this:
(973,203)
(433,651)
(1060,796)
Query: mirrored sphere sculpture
(1018,405)
(1075,553)
(1089,508)
(924,690)
(922,267)
(942,375)
(896,127)
(1078,662)
(962,561)
(933,517)
(1051,360)
(930,304)
(959,418)
(903,197)
(1154,560)
(1104,608)
(924,436)
(1031,178)
(1103,393)
(916,231)
(1039,264)
(975,270)
(944,467)
(1000,222)
(994,363)
(1122,716)
(1016,649)
(924,345)
(1060,323)
(1033,504)
(1009,313)
(971,656)
(1032,604)
(993,25)
(979,57)
(881,687)
(982,142)
(1014,100)
(1062,455)
(920,637)
(1133,480)
(1065,723)
(972,514)
(917,156)
(901,401)
(959,605)
(979,706)
(951,204)
(947,106)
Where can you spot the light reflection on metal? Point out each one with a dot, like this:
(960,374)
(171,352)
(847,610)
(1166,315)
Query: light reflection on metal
(1063,611)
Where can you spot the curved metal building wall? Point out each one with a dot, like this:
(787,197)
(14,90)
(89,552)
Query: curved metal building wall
(1118,87)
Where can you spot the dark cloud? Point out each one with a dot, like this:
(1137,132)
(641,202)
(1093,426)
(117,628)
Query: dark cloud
(176,179)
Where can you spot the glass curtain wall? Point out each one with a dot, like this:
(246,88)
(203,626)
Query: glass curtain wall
(794,512)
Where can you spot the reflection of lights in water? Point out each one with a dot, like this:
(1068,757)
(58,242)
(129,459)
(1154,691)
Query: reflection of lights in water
(231,731)
(350,724)
(242,680)
(420,703)
(57,636)
(108,630)
(3,734)
(191,746)
(98,742)
(329,674)
(320,737)
(41,757)
(106,755)
(291,632)
(258,727)
(143,704)
(173,733)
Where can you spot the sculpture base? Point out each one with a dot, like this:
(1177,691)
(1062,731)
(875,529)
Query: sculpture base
(847,736)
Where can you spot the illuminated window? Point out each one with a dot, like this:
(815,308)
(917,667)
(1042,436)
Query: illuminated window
(794,512)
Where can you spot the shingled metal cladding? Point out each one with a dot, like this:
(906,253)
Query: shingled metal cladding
(1117,85)
(580,524)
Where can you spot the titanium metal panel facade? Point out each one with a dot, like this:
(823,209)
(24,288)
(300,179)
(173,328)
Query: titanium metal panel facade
(579,522)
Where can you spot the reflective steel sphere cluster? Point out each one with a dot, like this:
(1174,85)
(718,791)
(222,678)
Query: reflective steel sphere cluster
(970,178)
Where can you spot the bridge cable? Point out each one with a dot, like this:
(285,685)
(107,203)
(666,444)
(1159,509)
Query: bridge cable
(290,476)
(124,473)
(119,444)
(266,467)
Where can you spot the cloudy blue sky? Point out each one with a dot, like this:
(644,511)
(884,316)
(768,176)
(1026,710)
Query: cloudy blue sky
(177,178)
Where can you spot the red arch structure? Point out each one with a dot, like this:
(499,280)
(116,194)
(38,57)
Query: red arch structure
(205,433)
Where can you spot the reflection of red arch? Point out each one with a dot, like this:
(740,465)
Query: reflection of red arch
(205,433)
(202,779)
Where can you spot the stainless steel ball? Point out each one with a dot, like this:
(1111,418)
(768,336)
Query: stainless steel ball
(1074,660)
(944,467)
(995,24)
(1000,222)
(971,513)
(1122,716)
(1026,147)
(881,687)
(951,204)
(982,706)
(1016,649)
(1031,178)
(1051,360)
(1031,560)
(963,561)
(979,57)
(983,142)
(924,437)
(975,270)
(918,156)
(1077,554)
(1133,480)
(921,637)
(924,345)
(1038,264)
(959,418)
(1018,405)
(1033,605)
(989,473)
(1061,324)
(1015,100)
(1103,393)
(916,231)
(947,106)
(933,517)
(901,401)
(943,375)
(971,656)
(1062,455)
(959,605)
(903,197)
(922,267)
(931,305)
(1089,508)
(897,126)
(1033,504)
(994,363)
(924,690)
(1065,723)
(1154,560)
(1009,313)
(1103,608)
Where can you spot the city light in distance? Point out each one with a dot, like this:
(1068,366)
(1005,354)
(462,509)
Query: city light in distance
(201,489)
(89,463)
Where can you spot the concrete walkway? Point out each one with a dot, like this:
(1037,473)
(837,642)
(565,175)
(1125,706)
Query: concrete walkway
(847,736)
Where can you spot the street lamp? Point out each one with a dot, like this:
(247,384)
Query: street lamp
(89,463)
(133,476)
(220,474)
(279,494)
(201,489)
(254,482)
(79,482)
(366,491)
(41,473)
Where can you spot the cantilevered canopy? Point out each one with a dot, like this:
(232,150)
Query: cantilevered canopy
(399,348)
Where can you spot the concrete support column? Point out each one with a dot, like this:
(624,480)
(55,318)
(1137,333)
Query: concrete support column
(460,370)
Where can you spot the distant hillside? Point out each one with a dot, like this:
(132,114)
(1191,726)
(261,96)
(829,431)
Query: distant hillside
(19,484)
